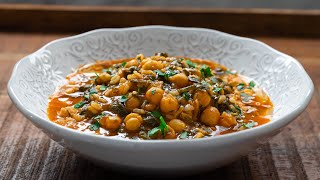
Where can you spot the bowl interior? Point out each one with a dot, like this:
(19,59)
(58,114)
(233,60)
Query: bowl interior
(36,76)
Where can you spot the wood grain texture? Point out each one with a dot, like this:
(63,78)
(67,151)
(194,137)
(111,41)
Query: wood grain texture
(27,153)
(59,18)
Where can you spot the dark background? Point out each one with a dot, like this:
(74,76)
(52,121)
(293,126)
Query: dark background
(270,4)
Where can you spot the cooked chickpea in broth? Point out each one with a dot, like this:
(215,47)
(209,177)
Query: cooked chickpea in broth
(159,97)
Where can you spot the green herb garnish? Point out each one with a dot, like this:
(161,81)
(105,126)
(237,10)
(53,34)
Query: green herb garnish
(160,73)
(107,70)
(163,126)
(153,131)
(217,89)
(205,71)
(86,96)
(249,125)
(169,73)
(156,114)
(251,84)
(191,64)
(93,90)
(95,126)
(97,77)
(183,135)
(103,88)
(186,95)
(238,109)
(214,80)
(123,64)
(153,91)
(79,105)
(240,86)
(123,98)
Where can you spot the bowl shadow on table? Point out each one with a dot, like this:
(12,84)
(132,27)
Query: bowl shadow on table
(239,168)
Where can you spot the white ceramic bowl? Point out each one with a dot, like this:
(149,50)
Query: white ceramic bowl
(35,77)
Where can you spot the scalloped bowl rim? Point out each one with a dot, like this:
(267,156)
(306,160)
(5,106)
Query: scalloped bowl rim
(273,125)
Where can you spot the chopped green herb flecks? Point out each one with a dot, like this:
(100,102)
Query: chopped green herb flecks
(156,114)
(153,131)
(95,126)
(79,105)
(93,90)
(86,96)
(160,73)
(169,73)
(123,64)
(249,125)
(238,109)
(123,98)
(240,86)
(213,80)
(186,95)
(205,71)
(217,89)
(183,135)
(103,88)
(163,126)
(251,84)
(153,91)
(191,64)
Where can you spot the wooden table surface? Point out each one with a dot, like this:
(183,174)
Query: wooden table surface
(27,153)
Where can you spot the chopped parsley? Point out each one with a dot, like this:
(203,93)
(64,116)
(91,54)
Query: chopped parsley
(191,64)
(160,73)
(240,86)
(238,109)
(163,126)
(93,90)
(79,105)
(205,71)
(186,95)
(251,84)
(103,88)
(183,135)
(169,73)
(214,80)
(249,125)
(97,77)
(153,131)
(153,91)
(95,126)
(217,89)
(123,98)
(123,64)
(86,96)
(156,114)
(99,116)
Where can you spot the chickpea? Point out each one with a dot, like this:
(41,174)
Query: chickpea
(171,134)
(133,102)
(111,122)
(154,95)
(227,120)
(133,62)
(203,98)
(135,75)
(94,108)
(169,104)
(77,117)
(140,57)
(152,65)
(149,107)
(63,112)
(105,77)
(124,88)
(177,125)
(210,116)
(115,79)
(133,115)
(180,80)
(133,124)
